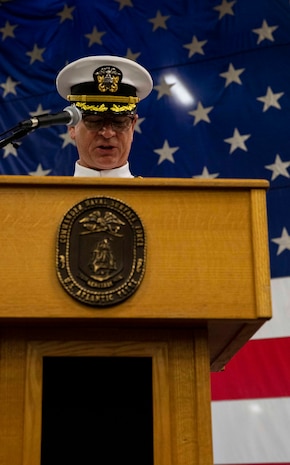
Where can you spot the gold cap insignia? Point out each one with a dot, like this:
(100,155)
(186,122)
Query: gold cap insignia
(108,78)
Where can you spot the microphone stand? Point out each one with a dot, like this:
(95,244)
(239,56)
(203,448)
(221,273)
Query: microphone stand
(17,133)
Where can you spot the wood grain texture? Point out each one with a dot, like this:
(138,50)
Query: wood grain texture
(181,399)
(207,256)
(261,259)
(105,348)
(206,290)
(190,399)
(12,381)
(200,251)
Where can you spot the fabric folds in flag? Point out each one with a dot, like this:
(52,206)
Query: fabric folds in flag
(220,108)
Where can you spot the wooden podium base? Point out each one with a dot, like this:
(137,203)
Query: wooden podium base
(180,387)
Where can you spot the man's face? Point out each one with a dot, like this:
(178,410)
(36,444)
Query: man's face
(103,143)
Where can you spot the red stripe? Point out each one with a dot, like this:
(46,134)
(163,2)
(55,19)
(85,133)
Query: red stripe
(260,369)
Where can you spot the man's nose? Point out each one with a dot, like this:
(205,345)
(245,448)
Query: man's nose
(107,129)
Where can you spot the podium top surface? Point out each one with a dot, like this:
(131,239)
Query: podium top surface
(138,181)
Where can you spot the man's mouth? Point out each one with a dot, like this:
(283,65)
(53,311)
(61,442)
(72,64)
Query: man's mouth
(106,147)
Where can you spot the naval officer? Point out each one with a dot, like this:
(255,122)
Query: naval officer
(106,90)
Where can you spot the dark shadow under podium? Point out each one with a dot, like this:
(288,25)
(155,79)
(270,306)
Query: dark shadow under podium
(97,411)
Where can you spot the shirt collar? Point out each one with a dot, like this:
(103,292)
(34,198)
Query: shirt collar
(122,172)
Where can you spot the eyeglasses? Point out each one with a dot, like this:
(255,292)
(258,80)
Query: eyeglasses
(117,123)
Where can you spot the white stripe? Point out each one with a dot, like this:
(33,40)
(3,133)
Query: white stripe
(251,431)
(279,325)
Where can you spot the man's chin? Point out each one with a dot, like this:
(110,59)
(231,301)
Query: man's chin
(107,164)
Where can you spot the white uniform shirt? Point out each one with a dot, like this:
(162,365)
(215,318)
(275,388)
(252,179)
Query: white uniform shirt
(122,172)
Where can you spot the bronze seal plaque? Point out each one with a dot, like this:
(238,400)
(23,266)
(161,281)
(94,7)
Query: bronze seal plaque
(101,251)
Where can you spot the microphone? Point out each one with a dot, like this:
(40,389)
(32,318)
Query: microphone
(70,116)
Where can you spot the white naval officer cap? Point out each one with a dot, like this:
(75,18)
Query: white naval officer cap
(104,84)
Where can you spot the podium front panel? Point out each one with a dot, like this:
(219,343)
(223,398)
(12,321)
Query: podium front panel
(206,249)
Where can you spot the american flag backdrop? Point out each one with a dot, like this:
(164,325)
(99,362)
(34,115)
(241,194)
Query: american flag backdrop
(220,108)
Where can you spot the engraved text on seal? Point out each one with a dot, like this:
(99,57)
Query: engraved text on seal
(101,251)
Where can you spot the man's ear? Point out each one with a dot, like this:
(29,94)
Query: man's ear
(72,132)
(135,120)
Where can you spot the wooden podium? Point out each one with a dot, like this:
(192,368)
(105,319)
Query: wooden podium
(204,293)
